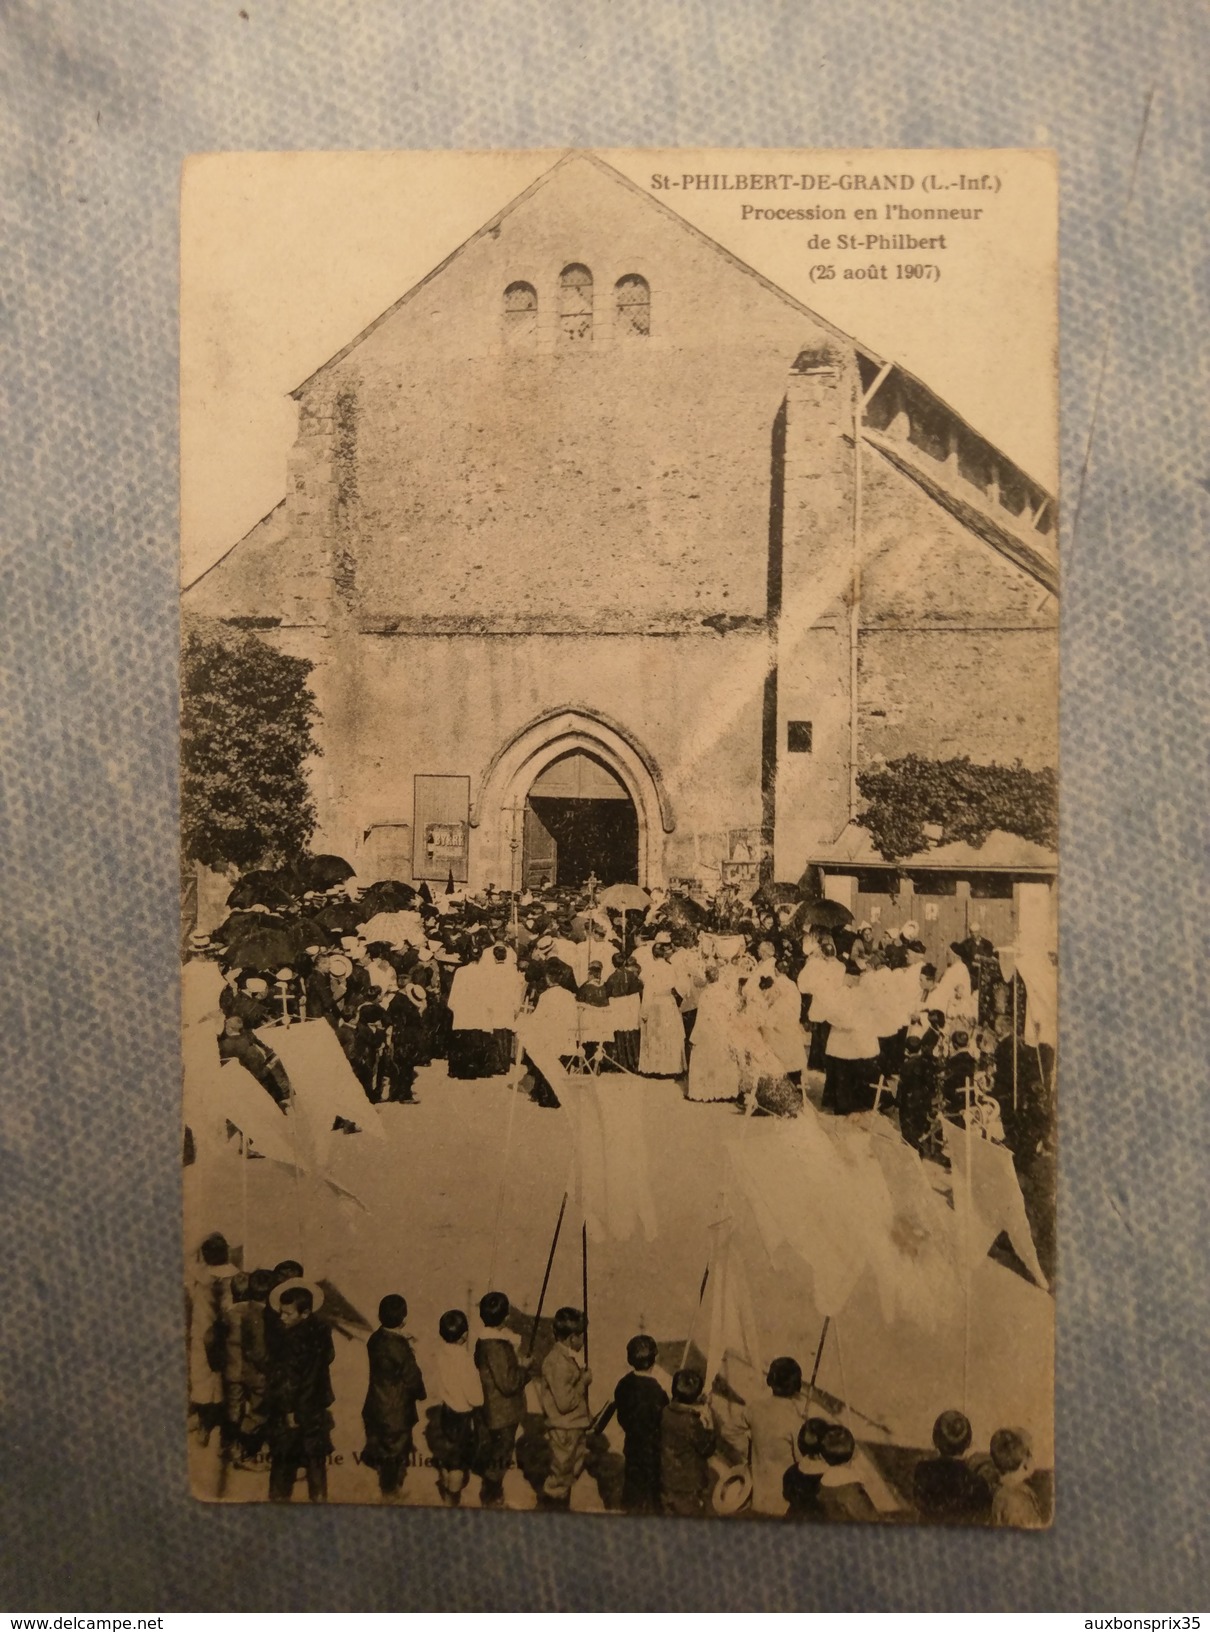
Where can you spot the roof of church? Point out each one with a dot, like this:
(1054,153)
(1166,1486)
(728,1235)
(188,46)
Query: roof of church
(580,156)
(1016,535)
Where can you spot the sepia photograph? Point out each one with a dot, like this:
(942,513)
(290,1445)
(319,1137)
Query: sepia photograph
(619,855)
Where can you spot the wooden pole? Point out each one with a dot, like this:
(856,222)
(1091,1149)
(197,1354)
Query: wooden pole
(823,1337)
(515,1091)
(243,1189)
(693,1323)
(300,1210)
(1014,1037)
(855,605)
(549,1263)
(584,1282)
(968,1219)
(844,1387)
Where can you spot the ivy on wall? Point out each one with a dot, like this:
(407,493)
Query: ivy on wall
(964,800)
(247,718)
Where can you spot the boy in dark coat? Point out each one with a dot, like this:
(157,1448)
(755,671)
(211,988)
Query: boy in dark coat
(945,1487)
(842,1498)
(917,1090)
(503,1375)
(958,1076)
(370,1053)
(298,1394)
(640,1398)
(932,1041)
(686,1444)
(389,1412)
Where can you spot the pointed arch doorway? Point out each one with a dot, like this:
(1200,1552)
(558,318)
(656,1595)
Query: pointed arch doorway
(580,823)
(575,793)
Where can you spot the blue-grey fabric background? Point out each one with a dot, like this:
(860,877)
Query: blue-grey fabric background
(102,99)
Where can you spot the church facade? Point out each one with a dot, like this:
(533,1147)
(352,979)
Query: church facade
(614,560)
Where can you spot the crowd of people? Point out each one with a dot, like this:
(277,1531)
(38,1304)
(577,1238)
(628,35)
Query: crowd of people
(753,1004)
(745,1003)
(261,1351)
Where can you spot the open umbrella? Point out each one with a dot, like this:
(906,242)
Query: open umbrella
(777,895)
(311,932)
(387,895)
(810,885)
(341,917)
(244,921)
(262,889)
(325,872)
(395,928)
(681,912)
(267,948)
(822,914)
(624,898)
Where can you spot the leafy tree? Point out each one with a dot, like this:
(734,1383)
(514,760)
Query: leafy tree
(247,719)
(966,801)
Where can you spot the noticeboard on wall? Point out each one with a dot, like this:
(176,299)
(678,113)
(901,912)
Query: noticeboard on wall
(441,827)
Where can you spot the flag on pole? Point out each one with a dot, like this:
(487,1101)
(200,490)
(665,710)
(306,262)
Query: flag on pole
(838,1194)
(216,1093)
(988,1199)
(611,1149)
(323,1084)
(610,1138)
(733,1349)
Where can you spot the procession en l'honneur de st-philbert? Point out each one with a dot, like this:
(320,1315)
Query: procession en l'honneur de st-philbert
(624,1078)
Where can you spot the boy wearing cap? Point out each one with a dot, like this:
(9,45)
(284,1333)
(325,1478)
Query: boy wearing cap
(917,1092)
(958,1076)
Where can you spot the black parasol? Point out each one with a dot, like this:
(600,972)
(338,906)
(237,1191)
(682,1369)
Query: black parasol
(387,895)
(822,914)
(325,872)
(261,888)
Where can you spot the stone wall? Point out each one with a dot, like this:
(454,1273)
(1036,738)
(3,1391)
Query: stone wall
(608,482)
(487,519)
(395,706)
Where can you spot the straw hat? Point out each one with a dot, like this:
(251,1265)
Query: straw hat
(733,1491)
(293,1285)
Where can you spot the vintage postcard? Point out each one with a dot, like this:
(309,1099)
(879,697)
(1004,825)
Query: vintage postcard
(619,715)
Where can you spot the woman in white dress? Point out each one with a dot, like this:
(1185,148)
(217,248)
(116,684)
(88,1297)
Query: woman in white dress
(662,1032)
(777,1006)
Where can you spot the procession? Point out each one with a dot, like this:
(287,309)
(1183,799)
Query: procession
(775,1128)
(619,837)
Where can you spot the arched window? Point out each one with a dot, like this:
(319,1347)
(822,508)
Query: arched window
(633,296)
(575,303)
(520,312)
